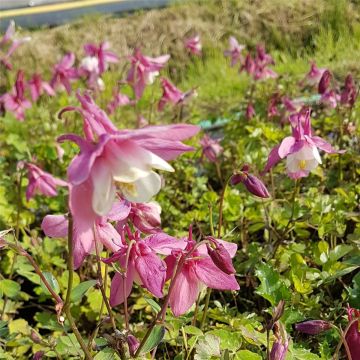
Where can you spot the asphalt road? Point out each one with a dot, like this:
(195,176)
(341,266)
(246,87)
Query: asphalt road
(56,12)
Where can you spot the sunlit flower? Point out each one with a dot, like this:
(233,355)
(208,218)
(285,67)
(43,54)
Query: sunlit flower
(300,149)
(193,45)
(15,101)
(64,73)
(211,148)
(349,93)
(144,70)
(37,87)
(234,51)
(313,77)
(102,54)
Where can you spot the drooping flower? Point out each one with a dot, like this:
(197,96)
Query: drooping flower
(193,45)
(117,101)
(234,51)
(330,98)
(249,65)
(37,87)
(220,256)
(144,70)
(198,270)
(64,72)
(171,94)
(324,82)
(313,327)
(41,182)
(87,225)
(313,77)
(349,94)
(122,159)
(89,68)
(262,58)
(144,266)
(300,149)
(146,217)
(211,148)
(103,55)
(353,335)
(7,50)
(272,109)
(15,101)
(251,182)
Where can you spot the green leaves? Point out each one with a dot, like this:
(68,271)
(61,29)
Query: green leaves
(80,290)
(156,335)
(9,288)
(272,287)
(51,281)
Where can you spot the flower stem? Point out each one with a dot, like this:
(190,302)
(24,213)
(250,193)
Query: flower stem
(126,311)
(207,301)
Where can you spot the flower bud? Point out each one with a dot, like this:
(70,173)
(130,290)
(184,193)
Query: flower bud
(146,216)
(133,344)
(38,355)
(221,258)
(35,337)
(324,82)
(281,344)
(349,93)
(250,111)
(251,182)
(313,327)
(353,335)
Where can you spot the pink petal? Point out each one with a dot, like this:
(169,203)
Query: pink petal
(213,277)
(164,244)
(325,146)
(286,146)
(55,226)
(109,237)
(117,286)
(273,159)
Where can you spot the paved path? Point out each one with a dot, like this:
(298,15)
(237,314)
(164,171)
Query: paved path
(55,13)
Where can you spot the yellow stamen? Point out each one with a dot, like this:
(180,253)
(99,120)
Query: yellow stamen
(302,164)
(128,188)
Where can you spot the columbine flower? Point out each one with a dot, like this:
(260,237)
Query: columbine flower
(220,256)
(313,327)
(144,266)
(102,54)
(272,109)
(7,51)
(87,225)
(330,98)
(250,111)
(234,51)
(122,159)
(198,271)
(117,101)
(281,344)
(37,87)
(249,65)
(211,148)
(353,334)
(144,70)
(193,45)
(313,77)
(171,94)
(324,82)
(300,149)
(251,182)
(146,217)
(41,182)
(64,72)
(349,93)
(15,101)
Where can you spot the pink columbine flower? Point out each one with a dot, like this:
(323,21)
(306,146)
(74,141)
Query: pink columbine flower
(349,93)
(37,87)
(103,55)
(171,94)
(249,65)
(250,111)
(198,270)
(64,72)
(280,345)
(234,51)
(146,217)
(300,149)
(41,182)
(144,266)
(211,148)
(5,50)
(15,101)
(122,160)
(272,109)
(313,327)
(193,45)
(87,225)
(262,58)
(118,100)
(253,184)
(353,334)
(313,77)
(330,98)
(89,68)
(324,82)
(144,70)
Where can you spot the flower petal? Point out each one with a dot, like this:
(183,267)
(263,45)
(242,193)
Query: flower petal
(117,286)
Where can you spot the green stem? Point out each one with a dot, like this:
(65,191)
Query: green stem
(207,301)
(126,311)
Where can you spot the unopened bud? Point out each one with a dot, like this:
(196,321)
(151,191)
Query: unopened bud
(35,337)
(221,258)
(133,344)
(324,82)
(313,327)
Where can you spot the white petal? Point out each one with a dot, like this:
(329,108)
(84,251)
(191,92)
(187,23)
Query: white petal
(292,164)
(158,163)
(316,155)
(104,189)
(143,189)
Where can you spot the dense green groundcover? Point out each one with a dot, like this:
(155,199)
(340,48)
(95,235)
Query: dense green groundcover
(300,246)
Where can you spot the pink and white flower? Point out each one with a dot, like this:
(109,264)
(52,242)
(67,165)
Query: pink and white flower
(300,149)
(144,70)
(102,54)
(313,77)
(64,72)
(234,51)
(193,45)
